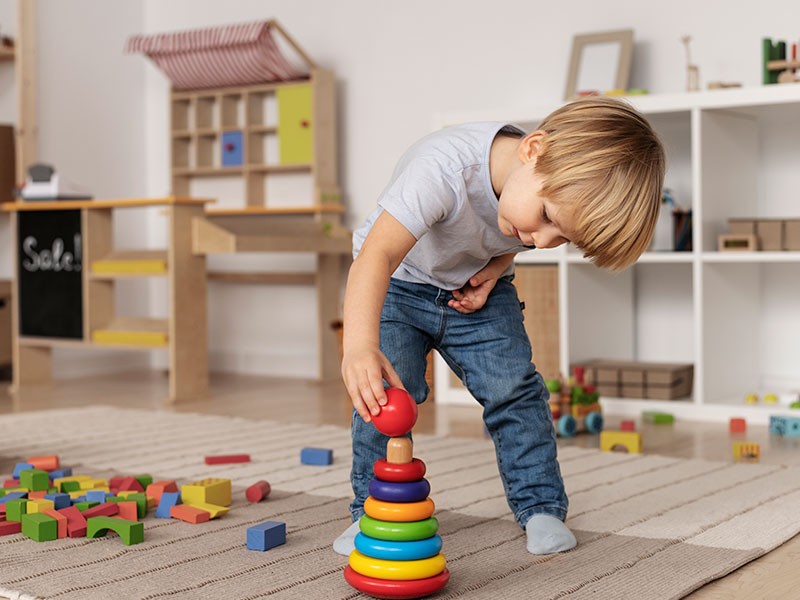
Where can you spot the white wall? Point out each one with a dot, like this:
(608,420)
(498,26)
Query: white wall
(103,115)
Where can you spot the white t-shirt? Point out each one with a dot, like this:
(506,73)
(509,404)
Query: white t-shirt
(441,191)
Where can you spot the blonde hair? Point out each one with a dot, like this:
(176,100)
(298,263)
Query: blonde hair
(603,163)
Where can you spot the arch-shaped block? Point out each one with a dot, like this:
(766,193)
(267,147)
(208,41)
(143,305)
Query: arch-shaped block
(630,440)
(131,532)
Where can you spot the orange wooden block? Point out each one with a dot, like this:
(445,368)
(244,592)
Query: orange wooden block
(62,521)
(38,495)
(737,425)
(45,463)
(127,510)
(190,514)
(155,489)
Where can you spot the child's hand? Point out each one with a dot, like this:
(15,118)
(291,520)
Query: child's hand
(473,295)
(363,371)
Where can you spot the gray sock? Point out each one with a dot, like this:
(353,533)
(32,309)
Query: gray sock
(345,543)
(548,534)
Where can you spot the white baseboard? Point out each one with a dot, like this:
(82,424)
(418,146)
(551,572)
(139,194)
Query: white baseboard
(268,364)
(70,363)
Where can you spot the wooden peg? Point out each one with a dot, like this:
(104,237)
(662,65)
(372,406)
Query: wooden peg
(399,450)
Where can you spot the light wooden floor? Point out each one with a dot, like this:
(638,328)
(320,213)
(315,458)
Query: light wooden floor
(775,575)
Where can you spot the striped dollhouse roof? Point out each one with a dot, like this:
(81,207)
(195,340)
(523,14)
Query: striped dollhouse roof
(228,55)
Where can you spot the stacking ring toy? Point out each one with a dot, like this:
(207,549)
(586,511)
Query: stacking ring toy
(397,511)
(398,532)
(414,550)
(397,569)
(396,590)
(392,491)
(399,472)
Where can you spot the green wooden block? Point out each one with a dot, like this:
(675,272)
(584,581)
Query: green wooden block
(70,486)
(34,479)
(141,503)
(39,527)
(82,506)
(15,509)
(2,492)
(144,480)
(131,532)
(657,418)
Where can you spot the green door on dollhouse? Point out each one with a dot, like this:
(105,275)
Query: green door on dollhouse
(294,124)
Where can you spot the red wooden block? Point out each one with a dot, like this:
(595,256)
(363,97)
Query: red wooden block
(737,425)
(227,459)
(107,509)
(258,491)
(61,518)
(45,463)
(190,514)
(11,483)
(76,522)
(627,426)
(115,481)
(129,483)
(155,489)
(127,511)
(3,508)
(9,527)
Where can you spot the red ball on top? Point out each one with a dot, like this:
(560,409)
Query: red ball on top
(398,415)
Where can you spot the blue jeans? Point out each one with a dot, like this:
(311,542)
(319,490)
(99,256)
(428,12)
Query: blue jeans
(490,352)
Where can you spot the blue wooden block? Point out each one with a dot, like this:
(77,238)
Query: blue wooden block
(97,496)
(316,456)
(21,467)
(266,535)
(59,500)
(13,496)
(788,426)
(59,473)
(168,500)
(232,144)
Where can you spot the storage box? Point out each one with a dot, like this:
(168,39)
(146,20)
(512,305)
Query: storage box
(742,226)
(791,234)
(770,234)
(630,379)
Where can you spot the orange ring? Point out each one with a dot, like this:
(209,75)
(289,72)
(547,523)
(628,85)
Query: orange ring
(399,512)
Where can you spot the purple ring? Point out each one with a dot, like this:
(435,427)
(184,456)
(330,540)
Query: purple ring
(395,491)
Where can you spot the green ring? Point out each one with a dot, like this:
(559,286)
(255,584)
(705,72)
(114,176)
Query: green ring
(398,532)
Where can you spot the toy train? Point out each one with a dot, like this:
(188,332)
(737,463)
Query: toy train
(575,406)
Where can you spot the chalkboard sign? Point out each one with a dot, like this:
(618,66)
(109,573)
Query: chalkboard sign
(50,281)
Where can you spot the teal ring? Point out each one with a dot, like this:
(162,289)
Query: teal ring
(412,550)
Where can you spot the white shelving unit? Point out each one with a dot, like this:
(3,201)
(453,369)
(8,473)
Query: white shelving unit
(735,316)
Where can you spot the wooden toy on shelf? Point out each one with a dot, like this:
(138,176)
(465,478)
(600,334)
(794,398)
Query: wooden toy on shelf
(398,551)
(629,440)
(778,67)
(575,408)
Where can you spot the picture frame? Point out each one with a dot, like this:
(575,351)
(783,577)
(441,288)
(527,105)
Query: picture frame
(599,62)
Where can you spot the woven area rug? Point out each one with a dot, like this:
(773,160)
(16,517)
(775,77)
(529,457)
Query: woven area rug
(647,526)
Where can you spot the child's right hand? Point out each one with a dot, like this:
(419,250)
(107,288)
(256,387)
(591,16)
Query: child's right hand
(363,371)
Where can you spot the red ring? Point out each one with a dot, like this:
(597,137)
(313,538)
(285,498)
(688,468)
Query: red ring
(399,472)
(396,590)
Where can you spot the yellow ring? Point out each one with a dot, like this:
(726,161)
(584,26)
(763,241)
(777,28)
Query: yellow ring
(399,511)
(397,569)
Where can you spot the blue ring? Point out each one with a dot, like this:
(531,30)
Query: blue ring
(395,491)
(416,550)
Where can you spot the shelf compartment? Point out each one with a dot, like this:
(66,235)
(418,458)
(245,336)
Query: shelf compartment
(122,263)
(133,331)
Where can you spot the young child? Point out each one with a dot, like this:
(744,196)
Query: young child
(433,269)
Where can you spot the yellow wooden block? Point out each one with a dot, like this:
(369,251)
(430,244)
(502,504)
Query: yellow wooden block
(129,267)
(131,338)
(211,491)
(630,440)
(126,493)
(34,506)
(213,510)
(57,482)
(743,450)
(151,502)
(77,493)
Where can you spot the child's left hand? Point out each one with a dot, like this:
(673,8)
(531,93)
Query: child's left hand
(473,295)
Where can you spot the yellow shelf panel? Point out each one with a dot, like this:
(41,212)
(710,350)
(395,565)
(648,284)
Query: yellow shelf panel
(133,332)
(132,262)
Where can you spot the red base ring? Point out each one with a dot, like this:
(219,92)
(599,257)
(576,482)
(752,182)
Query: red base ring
(396,590)
(399,472)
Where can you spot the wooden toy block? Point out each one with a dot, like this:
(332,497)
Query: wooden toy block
(213,510)
(210,491)
(227,459)
(130,484)
(154,490)
(106,509)
(98,496)
(11,483)
(59,473)
(83,506)
(316,456)
(58,482)
(9,527)
(258,491)
(19,467)
(37,506)
(116,481)
(141,503)
(76,494)
(778,425)
(16,508)
(9,496)
(131,532)
(190,514)
(128,510)
(399,450)
(657,418)
(70,486)
(60,500)
(746,450)
(34,479)
(39,527)
(61,521)
(144,480)
(266,535)
(627,426)
(45,463)
(76,522)
(737,425)
(630,440)
(168,500)
(37,495)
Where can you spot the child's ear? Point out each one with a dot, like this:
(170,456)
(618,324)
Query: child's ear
(531,146)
